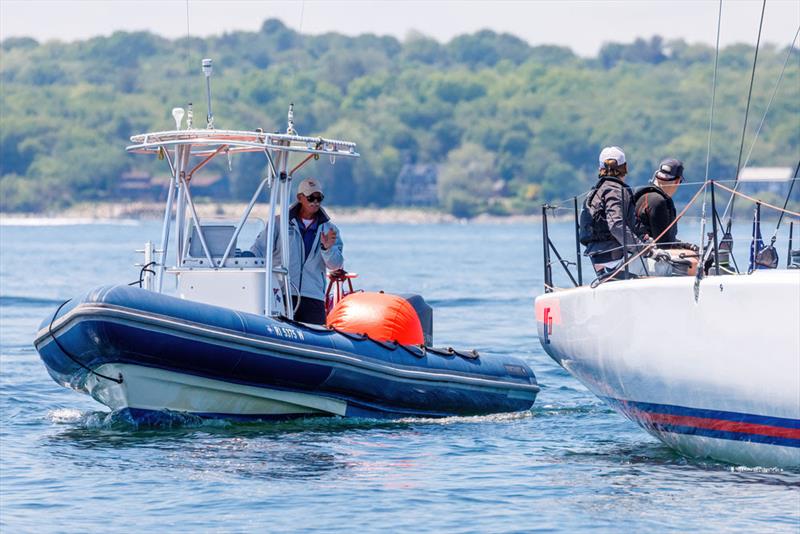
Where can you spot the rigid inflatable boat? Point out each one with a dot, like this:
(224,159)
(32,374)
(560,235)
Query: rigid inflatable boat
(226,344)
(133,349)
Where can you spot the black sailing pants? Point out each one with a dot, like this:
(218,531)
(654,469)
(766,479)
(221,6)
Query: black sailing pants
(311,311)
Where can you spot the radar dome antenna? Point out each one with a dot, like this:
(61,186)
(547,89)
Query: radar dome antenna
(290,126)
(177,114)
(207,69)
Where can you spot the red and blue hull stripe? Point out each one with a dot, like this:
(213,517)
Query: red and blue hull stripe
(711,423)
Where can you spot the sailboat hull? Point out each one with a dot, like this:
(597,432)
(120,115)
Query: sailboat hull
(714,376)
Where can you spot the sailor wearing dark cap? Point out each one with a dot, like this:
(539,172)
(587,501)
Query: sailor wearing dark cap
(655,209)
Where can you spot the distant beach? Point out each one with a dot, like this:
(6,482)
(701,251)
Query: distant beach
(133,211)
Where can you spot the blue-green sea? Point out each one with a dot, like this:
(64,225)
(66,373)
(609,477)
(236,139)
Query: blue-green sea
(570,464)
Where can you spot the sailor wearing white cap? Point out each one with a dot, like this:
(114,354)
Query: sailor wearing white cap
(614,153)
(608,218)
(314,246)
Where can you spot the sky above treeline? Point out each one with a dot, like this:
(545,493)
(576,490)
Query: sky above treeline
(582,25)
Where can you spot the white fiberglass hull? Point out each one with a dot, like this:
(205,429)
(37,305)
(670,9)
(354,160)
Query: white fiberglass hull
(146,389)
(718,376)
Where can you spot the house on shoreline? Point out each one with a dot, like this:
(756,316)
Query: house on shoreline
(142,186)
(416,185)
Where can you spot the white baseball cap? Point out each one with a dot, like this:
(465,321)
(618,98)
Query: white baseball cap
(309,186)
(612,152)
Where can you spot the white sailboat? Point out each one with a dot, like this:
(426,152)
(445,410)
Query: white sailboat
(709,364)
(722,381)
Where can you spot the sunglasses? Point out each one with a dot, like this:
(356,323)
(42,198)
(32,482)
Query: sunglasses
(316,197)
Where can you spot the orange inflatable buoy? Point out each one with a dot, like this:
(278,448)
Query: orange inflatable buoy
(381,316)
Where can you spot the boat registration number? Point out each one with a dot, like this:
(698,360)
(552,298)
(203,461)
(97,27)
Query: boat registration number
(285,332)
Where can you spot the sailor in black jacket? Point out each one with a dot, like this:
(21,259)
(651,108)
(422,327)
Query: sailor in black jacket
(655,210)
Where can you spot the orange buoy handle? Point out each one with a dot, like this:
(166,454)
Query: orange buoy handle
(335,290)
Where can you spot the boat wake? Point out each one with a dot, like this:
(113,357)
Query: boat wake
(473,419)
(122,420)
(554,410)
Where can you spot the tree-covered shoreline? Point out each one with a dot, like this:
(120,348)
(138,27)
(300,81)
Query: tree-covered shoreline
(487,108)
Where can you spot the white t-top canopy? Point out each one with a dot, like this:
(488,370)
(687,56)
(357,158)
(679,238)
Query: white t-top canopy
(205,142)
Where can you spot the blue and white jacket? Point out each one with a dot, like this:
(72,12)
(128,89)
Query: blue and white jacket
(307,274)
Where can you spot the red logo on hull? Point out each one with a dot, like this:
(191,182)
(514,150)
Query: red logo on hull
(548,325)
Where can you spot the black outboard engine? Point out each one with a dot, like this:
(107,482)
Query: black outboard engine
(425,314)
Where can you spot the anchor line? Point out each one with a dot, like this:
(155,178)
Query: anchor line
(145,269)
(70,356)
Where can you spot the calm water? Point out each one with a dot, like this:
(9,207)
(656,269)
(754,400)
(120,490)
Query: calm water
(66,464)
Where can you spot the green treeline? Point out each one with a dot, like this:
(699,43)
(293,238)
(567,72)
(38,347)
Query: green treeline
(487,107)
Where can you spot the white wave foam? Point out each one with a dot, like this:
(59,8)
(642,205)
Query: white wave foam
(460,419)
(64,415)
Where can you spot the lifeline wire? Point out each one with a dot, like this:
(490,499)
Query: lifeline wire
(557,204)
(734,192)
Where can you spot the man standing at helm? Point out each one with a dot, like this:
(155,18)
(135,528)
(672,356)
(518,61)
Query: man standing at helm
(314,245)
(608,219)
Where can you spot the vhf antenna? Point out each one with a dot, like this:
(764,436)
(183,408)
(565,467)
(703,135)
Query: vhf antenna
(290,119)
(189,116)
(207,71)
